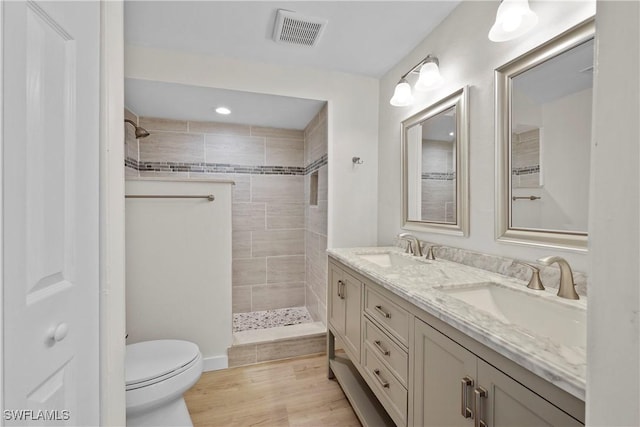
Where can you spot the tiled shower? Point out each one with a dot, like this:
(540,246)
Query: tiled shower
(279,212)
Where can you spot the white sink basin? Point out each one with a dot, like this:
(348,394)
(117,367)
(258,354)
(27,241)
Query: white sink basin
(390,259)
(564,324)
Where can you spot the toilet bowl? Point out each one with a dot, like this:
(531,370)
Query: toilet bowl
(157,374)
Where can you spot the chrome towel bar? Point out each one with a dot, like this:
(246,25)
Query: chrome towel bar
(209,197)
(526,198)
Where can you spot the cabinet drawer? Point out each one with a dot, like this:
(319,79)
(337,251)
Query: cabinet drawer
(391,316)
(394,357)
(391,393)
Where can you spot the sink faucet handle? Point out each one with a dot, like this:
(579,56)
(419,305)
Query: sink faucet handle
(431,253)
(534,281)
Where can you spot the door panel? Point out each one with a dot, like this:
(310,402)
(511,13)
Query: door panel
(440,365)
(50,213)
(353,315)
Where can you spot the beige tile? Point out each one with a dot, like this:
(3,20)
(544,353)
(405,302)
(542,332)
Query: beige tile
(155,123)
(238,150)
(248,216)
(241,244)
(277,295)
(322,312)
(242,188)
(277,242)
(240,355)
(291,348)
(285,152)
(168,175)
(219,128)
(241,299)
(323,184)
(285,215)
(130,172)
(286,269)
(251,271)
(311,302)
(172,147)
(130,115)
(277,188)
(315,144)
(317,218)
(130,144)
(277,132)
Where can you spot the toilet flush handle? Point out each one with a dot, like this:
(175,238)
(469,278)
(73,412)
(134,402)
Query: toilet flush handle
(59,333)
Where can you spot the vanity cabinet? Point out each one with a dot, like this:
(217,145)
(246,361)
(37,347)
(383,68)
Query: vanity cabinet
(345,309)
(409,368)
(454,387)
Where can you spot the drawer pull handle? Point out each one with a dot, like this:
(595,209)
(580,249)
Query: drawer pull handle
(383,383)
(341,289)
(480,394)
(384,313)
(465,411)
(381,348)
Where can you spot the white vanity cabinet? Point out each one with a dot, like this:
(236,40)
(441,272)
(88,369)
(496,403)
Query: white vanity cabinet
(345,309)
(454,387)
(409,368)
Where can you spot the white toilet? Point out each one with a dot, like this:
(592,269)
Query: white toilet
(157,374)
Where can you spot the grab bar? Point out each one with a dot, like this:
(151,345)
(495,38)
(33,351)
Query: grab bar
(526,198)
(209,197)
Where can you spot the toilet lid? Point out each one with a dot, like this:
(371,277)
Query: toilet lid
(147,360)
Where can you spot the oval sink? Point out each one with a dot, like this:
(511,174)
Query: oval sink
(564,324)
(390,259)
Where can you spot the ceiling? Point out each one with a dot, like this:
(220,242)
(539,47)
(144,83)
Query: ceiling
(183,102)
(361,37)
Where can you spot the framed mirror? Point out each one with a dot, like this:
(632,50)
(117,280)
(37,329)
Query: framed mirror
(543,142)
(435,167)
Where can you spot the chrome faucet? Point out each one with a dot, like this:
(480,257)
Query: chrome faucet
(414,244)
(567,287)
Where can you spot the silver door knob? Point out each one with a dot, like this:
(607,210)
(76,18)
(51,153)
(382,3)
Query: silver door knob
(59,332)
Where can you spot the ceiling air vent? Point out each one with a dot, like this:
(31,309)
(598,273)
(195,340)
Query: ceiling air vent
(293,28)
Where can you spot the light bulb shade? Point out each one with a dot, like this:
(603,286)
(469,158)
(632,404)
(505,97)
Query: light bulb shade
(513,19)
(430,77)
(402,95)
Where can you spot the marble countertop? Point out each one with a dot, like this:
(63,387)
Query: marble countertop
(422,285)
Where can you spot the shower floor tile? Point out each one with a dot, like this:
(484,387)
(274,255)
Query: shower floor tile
(270,318)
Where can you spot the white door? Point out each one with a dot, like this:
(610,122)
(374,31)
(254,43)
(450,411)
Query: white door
(50,173)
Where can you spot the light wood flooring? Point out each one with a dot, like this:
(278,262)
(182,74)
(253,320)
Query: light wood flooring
(293,392)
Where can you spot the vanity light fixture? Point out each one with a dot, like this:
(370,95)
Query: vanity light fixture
(223,110)
(513,19)
(430,78)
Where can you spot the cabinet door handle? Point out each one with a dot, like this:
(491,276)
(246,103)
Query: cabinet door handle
(341,289)
(382,382)
(381,311)
(480,394)
(381,348)
(465,411)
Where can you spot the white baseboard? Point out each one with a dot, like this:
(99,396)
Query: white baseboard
(215,363)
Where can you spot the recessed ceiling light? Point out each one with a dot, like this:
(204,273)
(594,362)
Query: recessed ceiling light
(450,133)
(223,110)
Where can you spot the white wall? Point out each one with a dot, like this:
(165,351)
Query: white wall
(352,121)
(613,331)
(467,57)
(178,254)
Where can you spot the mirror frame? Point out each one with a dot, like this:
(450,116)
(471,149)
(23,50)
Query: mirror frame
(460,100)
(576,241)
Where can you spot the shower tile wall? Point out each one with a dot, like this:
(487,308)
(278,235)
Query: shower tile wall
(269,218)
(315,159)
(438,181)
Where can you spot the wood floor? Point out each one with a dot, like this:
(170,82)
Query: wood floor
(293,392)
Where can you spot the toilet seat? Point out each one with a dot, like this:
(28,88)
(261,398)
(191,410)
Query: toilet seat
(151,362)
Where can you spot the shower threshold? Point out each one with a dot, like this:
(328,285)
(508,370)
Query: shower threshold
(274,325)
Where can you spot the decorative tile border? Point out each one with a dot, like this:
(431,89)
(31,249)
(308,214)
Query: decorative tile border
(224,167)
(439,176)
(526,170)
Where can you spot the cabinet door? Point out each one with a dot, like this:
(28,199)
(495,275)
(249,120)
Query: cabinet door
(509,403)
(443,379)
(336,302)
(352,293)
